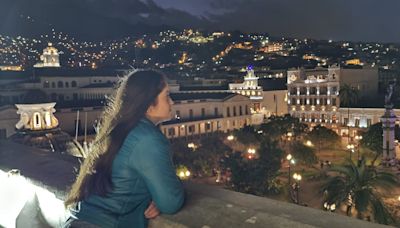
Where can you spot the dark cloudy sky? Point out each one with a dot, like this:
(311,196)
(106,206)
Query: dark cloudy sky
(353,20)
(365,20)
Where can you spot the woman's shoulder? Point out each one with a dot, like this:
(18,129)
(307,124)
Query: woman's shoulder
(145,131)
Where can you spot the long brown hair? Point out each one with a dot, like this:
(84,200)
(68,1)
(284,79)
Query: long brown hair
(133,96)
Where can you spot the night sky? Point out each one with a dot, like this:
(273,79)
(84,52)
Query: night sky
(366,20)
(353,20)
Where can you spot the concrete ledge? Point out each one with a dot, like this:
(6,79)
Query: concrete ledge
(208,206)
(205,206)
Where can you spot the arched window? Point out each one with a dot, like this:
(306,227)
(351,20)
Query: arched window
(53,85)
(36,121)
(46,84)
(47,118)
(66,84)
(73,84)
(60,84)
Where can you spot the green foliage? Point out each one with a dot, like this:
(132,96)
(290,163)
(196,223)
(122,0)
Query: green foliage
(278,126)
(247,135)
(202,160)
(256,176)
(373,140)
(303,154)
(323,137)
(361,183)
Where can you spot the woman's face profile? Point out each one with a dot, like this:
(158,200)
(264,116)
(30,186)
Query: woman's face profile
(161,111)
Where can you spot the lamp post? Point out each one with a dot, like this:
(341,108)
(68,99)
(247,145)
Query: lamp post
(289,157)
(297,178)
(358,138)
(350,147)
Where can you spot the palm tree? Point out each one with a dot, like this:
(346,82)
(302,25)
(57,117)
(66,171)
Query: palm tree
(358,186)
(348,96)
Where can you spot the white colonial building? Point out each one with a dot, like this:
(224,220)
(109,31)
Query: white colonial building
(202,113)
(313,95)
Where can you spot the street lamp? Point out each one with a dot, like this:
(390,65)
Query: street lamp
(309,143)
(297,178)
(290,159)
(251,153)
(350,147)
(230,137)
(358,138)
(192,146)
(330,207)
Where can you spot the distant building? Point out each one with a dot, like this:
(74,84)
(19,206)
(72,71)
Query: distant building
(193,114)
(313,95)
(275,96)
(202,113)
(274,47)
(49,58)
(251,89)
(354,62)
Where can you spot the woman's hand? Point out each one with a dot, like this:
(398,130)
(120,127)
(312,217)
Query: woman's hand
(152,211)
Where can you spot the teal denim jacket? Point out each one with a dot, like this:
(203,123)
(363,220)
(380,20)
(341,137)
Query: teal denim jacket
(142,171)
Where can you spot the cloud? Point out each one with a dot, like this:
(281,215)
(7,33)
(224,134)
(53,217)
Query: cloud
(366,20)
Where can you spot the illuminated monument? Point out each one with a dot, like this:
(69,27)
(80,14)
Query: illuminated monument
(49,58)
(36,117)
(388,124)
(38,127)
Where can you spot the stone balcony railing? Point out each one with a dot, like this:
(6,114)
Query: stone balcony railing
(205,206)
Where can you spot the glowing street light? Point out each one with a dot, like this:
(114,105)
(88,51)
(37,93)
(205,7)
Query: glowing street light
(309,143)
(230,137)
(192,146)
(297,178)
(330,207)
(290,159)
(350,147)
(251,151)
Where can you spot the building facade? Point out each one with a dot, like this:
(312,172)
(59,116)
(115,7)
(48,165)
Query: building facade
(313,95)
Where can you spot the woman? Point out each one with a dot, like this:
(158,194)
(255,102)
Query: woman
(128,177)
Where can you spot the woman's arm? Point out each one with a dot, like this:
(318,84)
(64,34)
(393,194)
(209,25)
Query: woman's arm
(152,156)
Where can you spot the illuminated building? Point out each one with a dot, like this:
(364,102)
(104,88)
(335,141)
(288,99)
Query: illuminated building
(353,62)
(313,95)
(11,68)
(251,89)
(49,58)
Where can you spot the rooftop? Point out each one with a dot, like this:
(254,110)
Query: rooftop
(76,72)
(201,96)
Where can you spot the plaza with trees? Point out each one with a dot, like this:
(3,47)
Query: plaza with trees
(255,160)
